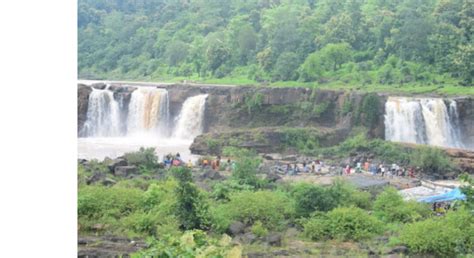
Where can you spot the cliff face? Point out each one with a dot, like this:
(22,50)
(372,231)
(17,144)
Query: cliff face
(229,108)
(83,92)
(251,107)
(466,118)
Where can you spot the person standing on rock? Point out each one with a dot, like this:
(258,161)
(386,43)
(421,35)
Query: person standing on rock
(313,166)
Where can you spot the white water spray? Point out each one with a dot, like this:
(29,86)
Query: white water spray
(190,120)
(103,114)
(148,112)
(423,121)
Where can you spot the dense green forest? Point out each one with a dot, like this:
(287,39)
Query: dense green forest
(387,43)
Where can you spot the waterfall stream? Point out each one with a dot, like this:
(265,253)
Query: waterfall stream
(422,120)
(190,120)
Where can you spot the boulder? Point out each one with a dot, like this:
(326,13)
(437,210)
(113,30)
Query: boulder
(249,238)
(211,174)
(117,162)
(108,182)
(236,228)
(399,249)
(273,177)
(99,85)
(273,239)
(124,171)
(97,176)
(273,156)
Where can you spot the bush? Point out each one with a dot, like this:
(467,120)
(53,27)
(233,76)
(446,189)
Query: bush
(431,159)
(309,198)
(144,158)
(194,243)
(443,236)
(344,194)
(347,223)
(223,190)
(97,201)
(270,208)
(246,165)
(390,207)
(259,230)
(191,208)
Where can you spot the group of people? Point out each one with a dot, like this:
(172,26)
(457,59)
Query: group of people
(175,161)
(216,163)
(380,169)
(312,167)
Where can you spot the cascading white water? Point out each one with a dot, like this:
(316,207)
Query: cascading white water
(103,114)
(190,120)
(148,112)
(423,121)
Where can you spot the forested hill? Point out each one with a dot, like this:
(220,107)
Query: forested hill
(359,42)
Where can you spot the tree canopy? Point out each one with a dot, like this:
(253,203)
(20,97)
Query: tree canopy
(351,41)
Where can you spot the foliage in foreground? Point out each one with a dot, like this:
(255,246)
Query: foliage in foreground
(446,236)
(269,208)
(193,243)
(389,206)
(345,223)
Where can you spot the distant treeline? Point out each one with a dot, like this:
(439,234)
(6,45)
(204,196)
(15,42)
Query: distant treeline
(324,41)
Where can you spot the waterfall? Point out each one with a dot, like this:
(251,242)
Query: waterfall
(103,114)
(422,120)
(148,112)
(190,120)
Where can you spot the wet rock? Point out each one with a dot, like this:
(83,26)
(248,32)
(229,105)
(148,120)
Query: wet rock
(117,162)
(108,182)
(273,239)
(96,177)
(211,174)
(236,228)
(401,249)
(273,156)
(273,177)
(99,85)
(125,171)
(83,92)
(249,238)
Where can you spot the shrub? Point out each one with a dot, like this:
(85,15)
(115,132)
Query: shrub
(191,208)
(431,159)
(223,190)
(246,165)
(345,223)
(309,198)
(270,208)
(390,206)
(344,194)
(443,236)
(144,158)
(259,230)
(194,243)
(97,201)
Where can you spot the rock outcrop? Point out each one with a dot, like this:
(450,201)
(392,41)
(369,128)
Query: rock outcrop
(83,92)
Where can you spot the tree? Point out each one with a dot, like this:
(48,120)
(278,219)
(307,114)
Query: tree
(247,41)
(176,52)
(191,209)
(285,67)
(464,62)
(336,54)
(217,54)
(312,68)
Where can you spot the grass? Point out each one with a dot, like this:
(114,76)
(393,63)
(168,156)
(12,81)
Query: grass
(448,89)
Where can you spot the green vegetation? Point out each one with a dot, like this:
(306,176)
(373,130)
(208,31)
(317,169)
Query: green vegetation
(345,223)
(394,46)
(443,236)
(390,207)
(268,207)
(180,218)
